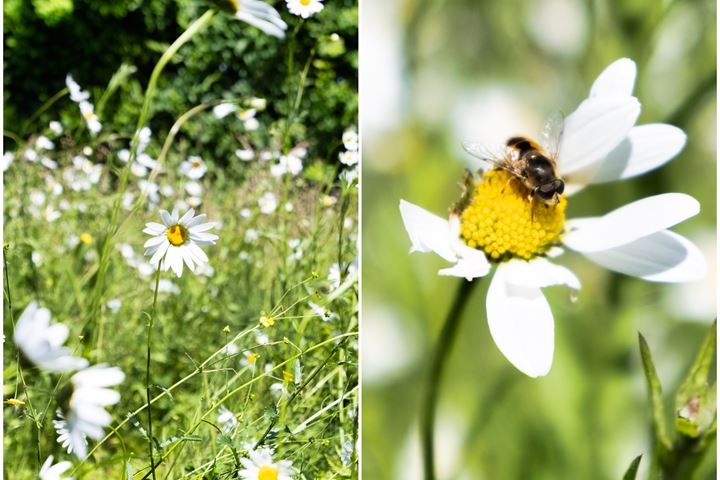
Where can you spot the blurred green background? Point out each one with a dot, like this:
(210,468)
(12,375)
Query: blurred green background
(436,73)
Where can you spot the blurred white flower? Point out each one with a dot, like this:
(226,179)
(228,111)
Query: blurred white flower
(260,15)
(44,143)
(178,239)
(36,258)
(350,140)
(568,34)
(88,112)
(224,109)
(245,154)
(50,214)
(86,416)
(320,311)
(258,103)
(41,341)
(114,305)
(56,127)
(304,8)
(150,190)
(7,160)
(124,155)
(77,95)
(251,124)
(193,167)
(267,203)
(48,471)
(245,213)
(138,170)
(348,158)
(260,466)
(166,286)
(251,235)
(227,419)
(37,198)
(48,163)
(30,155)
(334,274)
(194,189)
(167,191)
(53,186)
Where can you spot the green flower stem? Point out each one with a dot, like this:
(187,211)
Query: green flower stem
(437,364)
(113,226)
(147,378)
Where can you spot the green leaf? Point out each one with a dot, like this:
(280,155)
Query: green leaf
(632,470)
(655,393)
(696,399)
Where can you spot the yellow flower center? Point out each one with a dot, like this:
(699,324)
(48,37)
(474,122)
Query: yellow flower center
(305,3)
(267,321)
(86,238)
(90,115)
(504,222)
(252,357)
(288,377)
(177,234)
(268,472)
(236,5)
(196,164)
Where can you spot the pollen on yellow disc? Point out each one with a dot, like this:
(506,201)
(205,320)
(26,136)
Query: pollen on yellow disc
(196,164)
(288,377)
(177,234)
(268,472)
(89,115)
(305,2)
(504,222)
(252,357)
(86,238)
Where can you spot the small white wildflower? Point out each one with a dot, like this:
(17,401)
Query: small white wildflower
(267,203)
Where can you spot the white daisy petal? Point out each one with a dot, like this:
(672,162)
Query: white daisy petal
(155,241)
(646,148)
(166,218)
(185,218)
(471,264)
(521,324)
(629,223)
(539,273)
(159,253)
(198,220)
(595,128)
(618,79)
(661,257)
(153,228)
(428,232)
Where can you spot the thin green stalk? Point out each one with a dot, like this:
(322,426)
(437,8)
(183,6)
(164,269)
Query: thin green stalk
(113,226)
(147,378)
(49,103)
(437,363)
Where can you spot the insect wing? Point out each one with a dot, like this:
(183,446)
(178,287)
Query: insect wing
(552,134)
(494,156)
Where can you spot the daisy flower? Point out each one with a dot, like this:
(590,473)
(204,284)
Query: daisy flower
(77,94)
(53,472)
(88,112)
(499,224)
(350,140)
(56,127)
(41,341)
(222,110)
(85,415)
(193,167)
(44,143)
(7,160)
(256,13)
(304,8)
(260,466)
(178,240)
(267,203)
(348,158)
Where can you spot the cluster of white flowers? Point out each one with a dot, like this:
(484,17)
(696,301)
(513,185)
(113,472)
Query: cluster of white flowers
(82,175)
(87,109)
(351,156)
(143,163)
(42,343)
(290,163)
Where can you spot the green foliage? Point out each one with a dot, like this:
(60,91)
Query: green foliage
(632,469)
(695,413)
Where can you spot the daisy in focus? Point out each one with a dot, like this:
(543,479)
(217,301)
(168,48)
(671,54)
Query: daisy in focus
(41,342)
(502,222)
(260,466)
(178,240)
(84,415)
(304,8)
